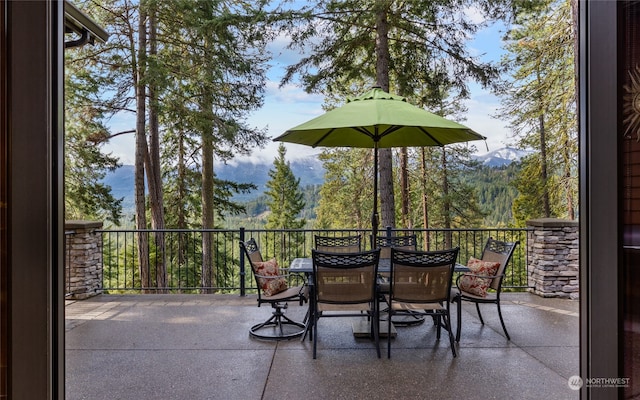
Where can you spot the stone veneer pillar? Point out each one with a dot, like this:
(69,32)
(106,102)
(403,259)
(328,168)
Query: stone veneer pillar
(553,257)
(83,259)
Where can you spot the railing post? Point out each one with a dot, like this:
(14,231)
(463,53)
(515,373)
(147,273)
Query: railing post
(242,271)
(84,259)
(389,233)
(554,251)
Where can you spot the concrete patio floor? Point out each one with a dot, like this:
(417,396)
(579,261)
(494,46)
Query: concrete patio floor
(198,347)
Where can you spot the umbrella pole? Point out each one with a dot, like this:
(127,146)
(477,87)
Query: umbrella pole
(374,214)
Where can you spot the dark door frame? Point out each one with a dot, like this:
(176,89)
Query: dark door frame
(32,104)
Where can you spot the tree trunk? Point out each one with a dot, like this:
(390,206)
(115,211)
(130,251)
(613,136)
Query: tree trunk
(387,200)
(141,152)
(404,187)
(425,199)
(182,194)
(154,177)
(446,207)
(546,203)
(546,207)
(207,194)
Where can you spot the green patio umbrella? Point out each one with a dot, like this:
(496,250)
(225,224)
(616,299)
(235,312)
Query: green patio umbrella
(377,119)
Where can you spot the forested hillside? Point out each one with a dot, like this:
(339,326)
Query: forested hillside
(493,186)
(495,192)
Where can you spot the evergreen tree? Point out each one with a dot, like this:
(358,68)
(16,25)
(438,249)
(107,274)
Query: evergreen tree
(86,197)
(401,46)
(286,200)
(540,101)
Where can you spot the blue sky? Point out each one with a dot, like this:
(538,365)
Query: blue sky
(289,106)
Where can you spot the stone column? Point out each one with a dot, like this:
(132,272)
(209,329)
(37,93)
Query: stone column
(554,257)
(83,259)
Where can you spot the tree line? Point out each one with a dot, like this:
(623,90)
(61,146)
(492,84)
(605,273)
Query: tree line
(191,71)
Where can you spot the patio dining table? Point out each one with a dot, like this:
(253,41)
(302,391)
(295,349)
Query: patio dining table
(305,265)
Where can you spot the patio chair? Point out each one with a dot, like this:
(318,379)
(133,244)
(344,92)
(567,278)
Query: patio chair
(345,286)
(483,284)
(421,282)
(385,244)
(272,283)
(338,244)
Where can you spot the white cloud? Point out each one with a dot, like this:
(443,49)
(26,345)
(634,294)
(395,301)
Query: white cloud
(481,108)
(474,14)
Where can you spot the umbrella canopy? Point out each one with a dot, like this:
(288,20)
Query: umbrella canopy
(378,119)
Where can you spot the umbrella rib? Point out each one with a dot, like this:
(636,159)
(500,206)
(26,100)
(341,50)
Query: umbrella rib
(389,131)
(365,132)
(323,137)
(431,136)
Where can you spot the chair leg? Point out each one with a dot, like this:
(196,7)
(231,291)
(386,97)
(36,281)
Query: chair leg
(479,314)
(389,332)
(504,328)
(315,335)
(458,328)
(447,321)
(376,328)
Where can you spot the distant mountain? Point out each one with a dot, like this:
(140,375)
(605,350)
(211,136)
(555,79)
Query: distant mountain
(309,170)
(501,157)
(121,182)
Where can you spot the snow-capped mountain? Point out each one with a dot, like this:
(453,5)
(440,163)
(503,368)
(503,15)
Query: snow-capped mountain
(501,157)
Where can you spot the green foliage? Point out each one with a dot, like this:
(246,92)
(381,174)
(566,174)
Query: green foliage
(442,196)
(423,37)
(346,197)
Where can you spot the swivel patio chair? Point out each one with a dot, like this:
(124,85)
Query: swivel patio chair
(421,282)
(345,286)
(339,244)
(483,284)
(272,283)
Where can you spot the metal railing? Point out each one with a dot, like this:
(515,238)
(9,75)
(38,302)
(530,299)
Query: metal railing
(177,263)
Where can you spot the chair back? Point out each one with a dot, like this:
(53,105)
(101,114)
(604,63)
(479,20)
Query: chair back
(345,278)
(335,244)
(498,251)
(385,243)
(252,252)
(422,276)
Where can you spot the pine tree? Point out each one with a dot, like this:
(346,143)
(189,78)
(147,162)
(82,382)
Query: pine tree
(286,199)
